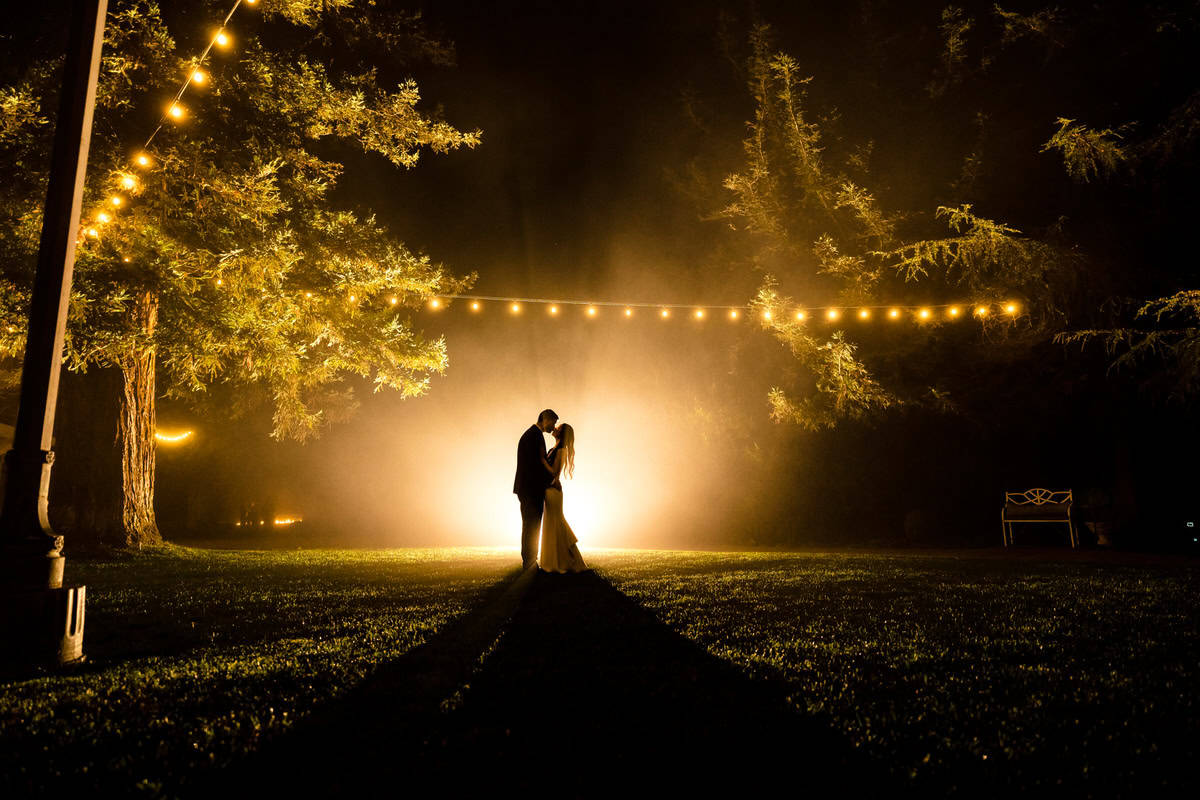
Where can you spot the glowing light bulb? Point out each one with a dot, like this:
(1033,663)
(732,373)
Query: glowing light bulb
(475,306)
(308,295)
(801,316)
(435,304)
(222,39)
(352,298)
(393,300)
(894,313)
(553,309)
(1011,308)
(923,313)
(198,77)
(665,313)
(142,160)
(733,314)
(629,312)
(220,282)
(516,309)
(864,313)
(116,200)
(953,311)
(125,259)
(832,314)
(767,315)
(92,232)
(981,311)
(103,217)
(175,110)
(591,311)
(699,313)
(128,182)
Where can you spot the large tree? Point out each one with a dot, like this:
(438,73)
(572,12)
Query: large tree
(229,259)
(936,180)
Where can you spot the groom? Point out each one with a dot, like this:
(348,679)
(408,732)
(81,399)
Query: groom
(531,482)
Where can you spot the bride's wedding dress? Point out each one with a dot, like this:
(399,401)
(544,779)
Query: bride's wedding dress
(559,550)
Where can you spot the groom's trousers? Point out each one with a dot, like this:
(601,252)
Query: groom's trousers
(531,525)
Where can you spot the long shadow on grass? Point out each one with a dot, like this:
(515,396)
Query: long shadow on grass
(583,692)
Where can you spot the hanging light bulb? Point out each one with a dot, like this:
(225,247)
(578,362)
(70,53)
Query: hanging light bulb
(475,306)
(222,38)
(128,183)
(629,312)
(981,311)
(864,313)
(220,282)
(116,200)
(699,313)
(435,304)
(516,309)
(665,313)
(591,311)
(102,217)
(176,111)
(142,160)
(923,313)
(801,316)
(894,313)
(767,315)
(1011,308)
(198,77)
(308,295)
(832,314)
(553,309)
(954,311)
(733,314)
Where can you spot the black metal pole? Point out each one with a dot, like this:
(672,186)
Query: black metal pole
(33,628)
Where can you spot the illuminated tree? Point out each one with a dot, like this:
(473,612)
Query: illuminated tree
(219,255)
(821,218)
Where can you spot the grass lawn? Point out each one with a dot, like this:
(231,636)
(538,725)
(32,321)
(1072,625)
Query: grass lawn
(331,670)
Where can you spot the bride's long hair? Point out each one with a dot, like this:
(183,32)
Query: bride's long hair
(567,443)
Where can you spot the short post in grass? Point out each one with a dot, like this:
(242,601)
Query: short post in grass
(41,620)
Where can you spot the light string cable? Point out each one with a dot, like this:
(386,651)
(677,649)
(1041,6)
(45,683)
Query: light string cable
(194,74)
(802,313)
(174,110)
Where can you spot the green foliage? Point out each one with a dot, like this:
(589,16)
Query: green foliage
(822,237)
(234,233)
(1169,336)
(954,28)
(983,255)
(1087,153)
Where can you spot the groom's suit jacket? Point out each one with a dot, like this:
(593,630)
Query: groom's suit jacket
(532,478)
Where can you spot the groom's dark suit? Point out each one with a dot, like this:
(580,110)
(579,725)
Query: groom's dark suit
(530,488)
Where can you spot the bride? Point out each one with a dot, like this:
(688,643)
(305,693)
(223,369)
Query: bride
(559,551)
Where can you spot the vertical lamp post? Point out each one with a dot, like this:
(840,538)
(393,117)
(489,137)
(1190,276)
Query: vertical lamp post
(41,621)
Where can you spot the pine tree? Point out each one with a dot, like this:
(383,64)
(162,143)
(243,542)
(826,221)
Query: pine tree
(228,259)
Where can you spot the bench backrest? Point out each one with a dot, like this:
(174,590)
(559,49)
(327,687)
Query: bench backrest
(1038,497)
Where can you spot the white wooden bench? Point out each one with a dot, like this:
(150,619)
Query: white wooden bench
(1037,505)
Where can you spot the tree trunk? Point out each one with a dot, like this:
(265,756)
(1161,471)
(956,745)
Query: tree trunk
(137,425)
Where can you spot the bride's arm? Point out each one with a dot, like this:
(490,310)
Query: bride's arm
(554,468)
